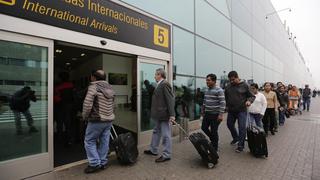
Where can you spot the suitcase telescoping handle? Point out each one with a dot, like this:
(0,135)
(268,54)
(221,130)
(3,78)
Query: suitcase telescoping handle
(179,126)
(114,132)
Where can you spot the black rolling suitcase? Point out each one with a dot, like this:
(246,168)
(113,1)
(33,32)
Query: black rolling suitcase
(257,141)
(125,147)
(204,148)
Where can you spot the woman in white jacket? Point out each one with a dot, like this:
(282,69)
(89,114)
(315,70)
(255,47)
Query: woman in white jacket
(258,107)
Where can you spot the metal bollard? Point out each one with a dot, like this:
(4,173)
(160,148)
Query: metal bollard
(184,123)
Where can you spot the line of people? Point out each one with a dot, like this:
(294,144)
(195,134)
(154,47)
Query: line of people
(239,100)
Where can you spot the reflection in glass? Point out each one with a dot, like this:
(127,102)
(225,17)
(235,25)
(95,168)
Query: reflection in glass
(147,84)
(23,100)
(184,98)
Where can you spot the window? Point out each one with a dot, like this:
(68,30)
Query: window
(183,52)
(21,139)
(184,94)
(241,42)
(212,25)
(211,59)
(180,12)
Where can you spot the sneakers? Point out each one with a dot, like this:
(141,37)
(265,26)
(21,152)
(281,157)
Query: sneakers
(239,149)
(234,142)
(33,130)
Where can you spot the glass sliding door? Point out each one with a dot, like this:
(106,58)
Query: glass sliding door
(147,84)
(25,106)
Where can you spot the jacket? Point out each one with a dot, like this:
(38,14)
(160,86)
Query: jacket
(98,105)
(236,97)
(20,101)
(162,105)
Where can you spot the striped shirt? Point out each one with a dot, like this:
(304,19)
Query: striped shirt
(214,101)
(99,102)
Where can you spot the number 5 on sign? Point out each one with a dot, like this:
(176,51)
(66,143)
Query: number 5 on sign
(160,36)
(8,2)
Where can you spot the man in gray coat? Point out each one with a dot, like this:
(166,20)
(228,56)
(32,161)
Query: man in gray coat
(162,112)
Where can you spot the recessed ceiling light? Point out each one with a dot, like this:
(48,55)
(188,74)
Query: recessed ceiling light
(58,51)
(83,54)
(68,64)
(74,59)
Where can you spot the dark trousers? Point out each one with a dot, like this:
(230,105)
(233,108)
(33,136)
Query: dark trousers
(242,124)
(211,120)
(282,117)
(65,117)
(306,103)
(269,119)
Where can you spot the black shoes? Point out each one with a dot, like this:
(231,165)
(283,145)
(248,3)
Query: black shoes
(148,152)
(162,159)
(234,142)
(239,149)
(92,169)
(272,132)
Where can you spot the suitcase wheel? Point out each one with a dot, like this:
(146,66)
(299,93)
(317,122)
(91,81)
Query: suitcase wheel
(211,165)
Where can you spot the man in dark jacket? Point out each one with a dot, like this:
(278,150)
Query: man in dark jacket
(238,98)
(162,112)
(306,95)
(20,103)
(283,101)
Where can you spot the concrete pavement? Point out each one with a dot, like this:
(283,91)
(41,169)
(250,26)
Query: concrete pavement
(294,153)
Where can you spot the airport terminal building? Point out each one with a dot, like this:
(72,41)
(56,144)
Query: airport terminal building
(129,40)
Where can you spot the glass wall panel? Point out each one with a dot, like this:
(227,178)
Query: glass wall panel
(258,73)
(211,58)
(268,59)
(23,100)
(212,25)
(180,12)
(243,66)
(257,53)
(183,48)
(241,42)
(268,75)
(241,16)
(185,97)
(221,5)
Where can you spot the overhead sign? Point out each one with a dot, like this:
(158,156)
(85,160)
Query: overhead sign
(97,17)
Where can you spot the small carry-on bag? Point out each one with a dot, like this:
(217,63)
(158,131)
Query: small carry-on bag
(256,139)
(125,147)
(204,148)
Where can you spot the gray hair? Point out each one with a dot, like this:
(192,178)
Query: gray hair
(162,73)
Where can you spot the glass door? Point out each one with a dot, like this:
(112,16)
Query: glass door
(25,106)
(146,86)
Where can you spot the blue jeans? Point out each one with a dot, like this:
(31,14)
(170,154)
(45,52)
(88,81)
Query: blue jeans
(97,155)
(282,117)
(162,129)
(242,121)
(306,101)
(257,118)
(211,120)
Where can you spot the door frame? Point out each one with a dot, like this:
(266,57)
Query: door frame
(144,137)
(32,165)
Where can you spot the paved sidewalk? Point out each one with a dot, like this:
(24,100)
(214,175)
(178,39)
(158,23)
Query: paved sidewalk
(294,153)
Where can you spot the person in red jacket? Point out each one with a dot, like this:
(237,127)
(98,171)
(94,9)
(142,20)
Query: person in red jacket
(63,104)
